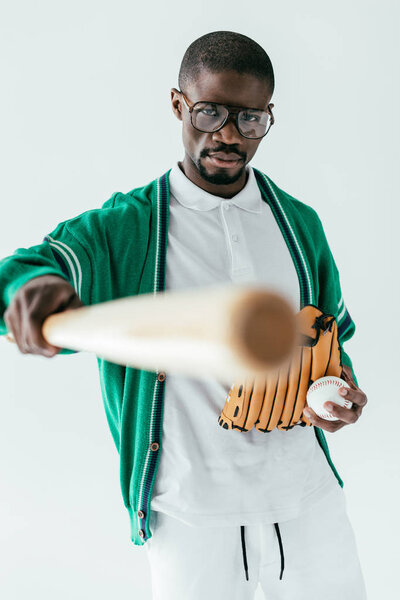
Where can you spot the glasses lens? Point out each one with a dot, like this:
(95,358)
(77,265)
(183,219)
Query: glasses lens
(254,123)
(208,117)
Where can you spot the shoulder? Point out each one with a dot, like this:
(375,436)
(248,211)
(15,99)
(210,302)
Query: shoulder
(300,214)
(122,210)
(290,202)
(301,217)
(139,197)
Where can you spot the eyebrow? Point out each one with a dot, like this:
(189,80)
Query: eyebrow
(232,105)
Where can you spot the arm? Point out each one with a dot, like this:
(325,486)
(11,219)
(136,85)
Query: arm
(331,299)
(38,281)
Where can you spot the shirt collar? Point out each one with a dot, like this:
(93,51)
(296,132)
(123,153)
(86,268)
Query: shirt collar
(192,196)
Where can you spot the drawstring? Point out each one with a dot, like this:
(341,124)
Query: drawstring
(244,552)
(278,533)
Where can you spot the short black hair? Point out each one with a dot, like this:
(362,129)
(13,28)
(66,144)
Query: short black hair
(222,51)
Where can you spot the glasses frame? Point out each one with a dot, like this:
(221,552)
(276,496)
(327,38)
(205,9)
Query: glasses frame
(191,106)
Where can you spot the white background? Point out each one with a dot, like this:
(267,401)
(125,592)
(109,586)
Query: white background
(85,111)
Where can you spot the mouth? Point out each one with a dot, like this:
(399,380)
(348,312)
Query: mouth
(221,162)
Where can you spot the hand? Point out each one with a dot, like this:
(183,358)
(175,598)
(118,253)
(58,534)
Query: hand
(345,415)
(31,305)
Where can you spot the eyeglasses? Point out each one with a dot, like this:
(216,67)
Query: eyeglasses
(209,117)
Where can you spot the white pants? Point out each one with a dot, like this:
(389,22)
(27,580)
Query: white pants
(317,551)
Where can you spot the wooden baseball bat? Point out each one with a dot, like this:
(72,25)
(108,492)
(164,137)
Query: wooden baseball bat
(223,331)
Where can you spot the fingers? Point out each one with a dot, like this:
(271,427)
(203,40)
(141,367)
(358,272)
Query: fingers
(345,416)
(27,332)
(74,302)
(14,325)
(330,426)
(347,375)
(31,331)
(356,396)
(31,305)
(348,415)
(36,343)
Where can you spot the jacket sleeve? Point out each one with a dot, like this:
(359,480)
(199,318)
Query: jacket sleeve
(331,297)
(60,254)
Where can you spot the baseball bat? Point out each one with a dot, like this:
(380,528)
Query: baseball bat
(224,331)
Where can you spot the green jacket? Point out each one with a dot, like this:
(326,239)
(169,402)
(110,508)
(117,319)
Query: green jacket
(120,250)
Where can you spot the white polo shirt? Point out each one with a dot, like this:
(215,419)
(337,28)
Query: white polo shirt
(208,475)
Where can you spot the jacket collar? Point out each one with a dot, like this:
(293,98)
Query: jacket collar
(192,196)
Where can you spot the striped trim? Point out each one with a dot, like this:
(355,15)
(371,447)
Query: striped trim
(150,462)
(306,288)
(72,260)
(345,325)
(158,392)
(155,285)
(162,230)
(60,261)
(341,314)
(63,253)
(344,319)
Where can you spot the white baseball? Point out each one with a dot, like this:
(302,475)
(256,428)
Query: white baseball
(326,389)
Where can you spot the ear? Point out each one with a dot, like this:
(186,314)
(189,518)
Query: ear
(176,103)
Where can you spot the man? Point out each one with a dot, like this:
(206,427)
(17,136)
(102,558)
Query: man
(191,487)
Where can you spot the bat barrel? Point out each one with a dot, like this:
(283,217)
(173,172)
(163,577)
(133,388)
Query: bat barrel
(263,330)
(223,331)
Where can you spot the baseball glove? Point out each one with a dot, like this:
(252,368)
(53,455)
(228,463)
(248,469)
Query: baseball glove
(278,398)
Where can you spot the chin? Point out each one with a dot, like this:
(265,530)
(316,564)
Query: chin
(221,176)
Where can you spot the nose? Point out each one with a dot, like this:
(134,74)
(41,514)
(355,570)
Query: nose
(229,133)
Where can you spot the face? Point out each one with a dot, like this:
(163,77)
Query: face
(230,88)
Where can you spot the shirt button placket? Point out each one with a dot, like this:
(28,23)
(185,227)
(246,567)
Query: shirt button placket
(154,446)
(237,259)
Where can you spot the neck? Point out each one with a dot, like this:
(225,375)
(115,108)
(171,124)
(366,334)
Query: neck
(224,190)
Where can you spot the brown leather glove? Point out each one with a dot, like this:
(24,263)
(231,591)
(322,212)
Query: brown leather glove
(31,305)
(278,399)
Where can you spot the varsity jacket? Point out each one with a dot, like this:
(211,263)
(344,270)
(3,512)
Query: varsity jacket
(120,250)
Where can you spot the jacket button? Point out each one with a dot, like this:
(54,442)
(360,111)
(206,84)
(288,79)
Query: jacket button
(155,446)
(141,533)
(140,514)
(161,376)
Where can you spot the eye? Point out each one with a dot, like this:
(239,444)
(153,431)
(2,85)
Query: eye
(207,109)
(210,111)
(249,117)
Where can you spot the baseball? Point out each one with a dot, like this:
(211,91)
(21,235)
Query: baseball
(324,390)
